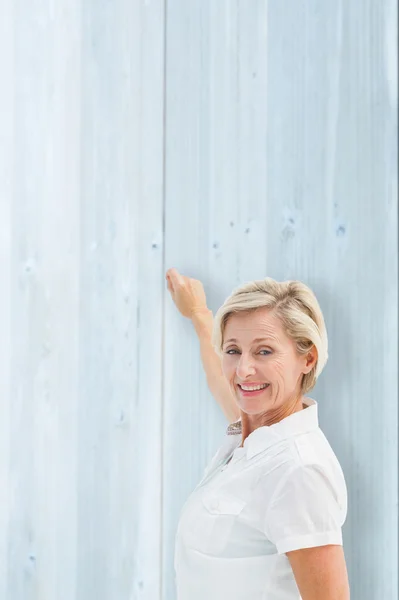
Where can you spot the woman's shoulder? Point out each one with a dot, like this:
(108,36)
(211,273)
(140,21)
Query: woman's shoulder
(315,449)
(306,459)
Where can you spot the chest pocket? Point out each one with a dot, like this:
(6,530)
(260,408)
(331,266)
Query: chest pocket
(218,522)
(223,504)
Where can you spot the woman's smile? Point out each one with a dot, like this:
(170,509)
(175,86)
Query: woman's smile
(248,393)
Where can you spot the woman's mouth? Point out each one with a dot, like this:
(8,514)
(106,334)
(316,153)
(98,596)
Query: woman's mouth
(249,390)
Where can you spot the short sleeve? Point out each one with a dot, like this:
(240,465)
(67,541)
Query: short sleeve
(308,509)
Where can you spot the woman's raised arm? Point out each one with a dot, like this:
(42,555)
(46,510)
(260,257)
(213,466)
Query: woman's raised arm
(189,297)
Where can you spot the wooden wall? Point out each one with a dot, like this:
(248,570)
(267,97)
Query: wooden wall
(233,140)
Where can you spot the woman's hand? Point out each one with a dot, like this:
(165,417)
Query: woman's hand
(188,294)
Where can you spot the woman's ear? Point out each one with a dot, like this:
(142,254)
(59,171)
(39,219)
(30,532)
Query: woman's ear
(311,359)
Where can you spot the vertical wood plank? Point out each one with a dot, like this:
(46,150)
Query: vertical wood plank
(44,299)
(83,253)
(121,303)
(7,69)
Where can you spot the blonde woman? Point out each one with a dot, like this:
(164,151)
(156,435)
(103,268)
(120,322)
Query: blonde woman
(264,523)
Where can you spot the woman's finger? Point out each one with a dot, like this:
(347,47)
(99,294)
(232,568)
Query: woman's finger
(170,286)
(176,276)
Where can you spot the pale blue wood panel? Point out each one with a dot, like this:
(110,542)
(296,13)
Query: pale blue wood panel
(285,175)
(43,290)
(6,196)
(280,160)
(237,149)
(331,192)
(121,278)
(83,280)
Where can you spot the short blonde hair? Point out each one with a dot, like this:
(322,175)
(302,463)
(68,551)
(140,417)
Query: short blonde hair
(294,304)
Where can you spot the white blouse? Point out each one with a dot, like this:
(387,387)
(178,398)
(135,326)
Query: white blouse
(283,490)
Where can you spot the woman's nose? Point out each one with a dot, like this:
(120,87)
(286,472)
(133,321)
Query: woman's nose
(245,367)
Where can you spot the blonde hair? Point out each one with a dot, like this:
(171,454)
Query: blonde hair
(294,304)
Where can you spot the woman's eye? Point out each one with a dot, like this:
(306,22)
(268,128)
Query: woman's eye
(233,351)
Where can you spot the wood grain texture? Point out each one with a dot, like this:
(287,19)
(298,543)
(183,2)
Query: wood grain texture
(281,161)
(43,258)
(83,275)
(6,197)
(122,291)
(231,140)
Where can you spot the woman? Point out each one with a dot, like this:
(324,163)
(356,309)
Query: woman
(265,521)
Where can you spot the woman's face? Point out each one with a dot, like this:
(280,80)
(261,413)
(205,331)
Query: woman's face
(256,351)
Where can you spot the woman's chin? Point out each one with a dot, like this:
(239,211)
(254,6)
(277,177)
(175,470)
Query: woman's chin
(250,408)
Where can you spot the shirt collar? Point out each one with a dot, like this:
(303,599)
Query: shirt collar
(263,437)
